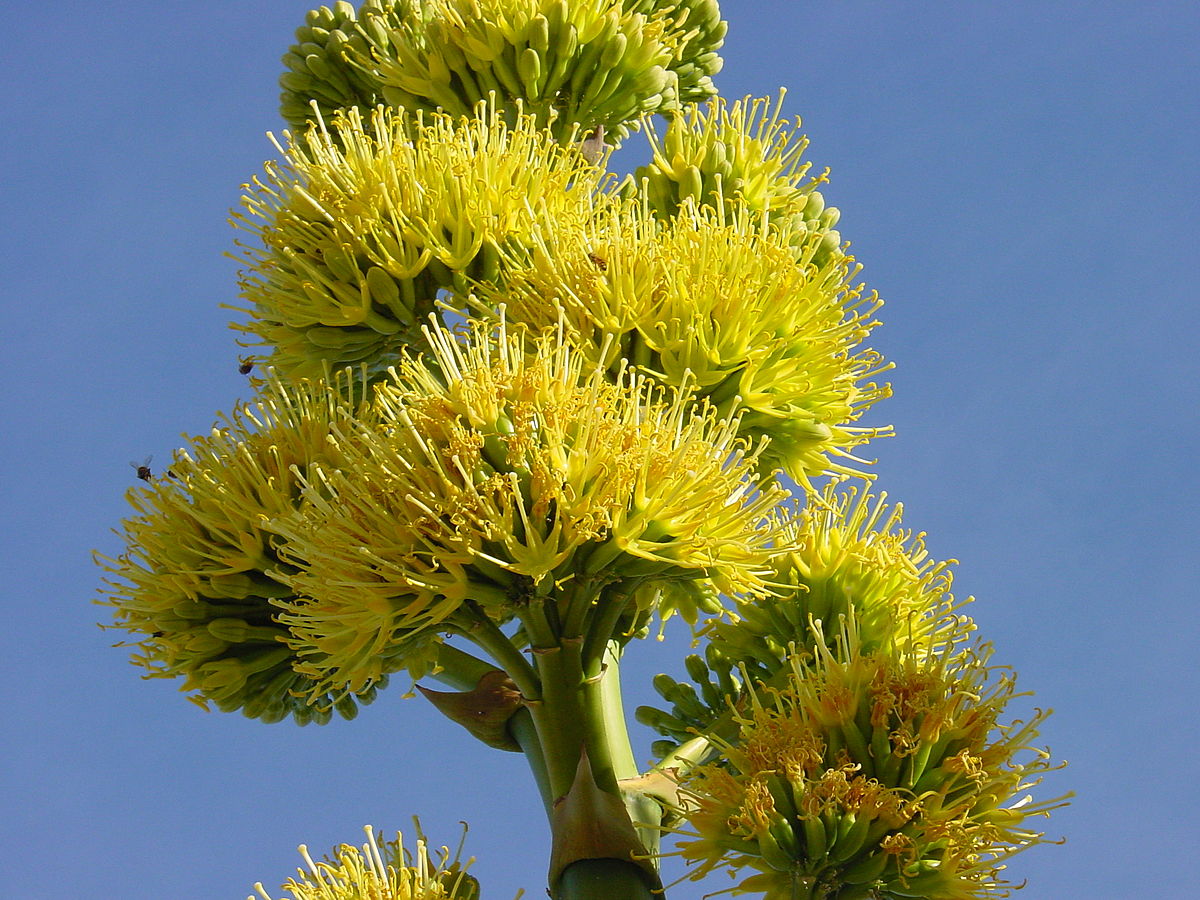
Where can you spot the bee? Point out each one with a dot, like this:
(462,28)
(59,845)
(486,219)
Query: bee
(245,364)
(593,147)
(599,262)
(143,468)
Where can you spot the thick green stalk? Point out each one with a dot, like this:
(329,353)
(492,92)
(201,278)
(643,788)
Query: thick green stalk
(459,669)
(572,707)
(604,879)
(559,714)
(644,811)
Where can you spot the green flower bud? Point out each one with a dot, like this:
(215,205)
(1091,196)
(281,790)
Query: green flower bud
(329,65)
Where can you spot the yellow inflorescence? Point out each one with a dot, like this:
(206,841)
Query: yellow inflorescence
(575,66)
(367,223)
(717,301)
(846,557)
(497,476)
(739,155)
(872,774)
(378,871)
(198,582)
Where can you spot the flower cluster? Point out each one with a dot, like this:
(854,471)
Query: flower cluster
(740,156)
(872,774)
(574,66)
(513,402)
(499,475)
(320,541)
(844,557)
(367,223)
(380,870)
(322,70)
(201,575)
(716,302)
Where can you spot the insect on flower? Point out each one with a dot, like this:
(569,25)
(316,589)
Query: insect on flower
(599,262)
(245,364)
(143,468)
(592,147)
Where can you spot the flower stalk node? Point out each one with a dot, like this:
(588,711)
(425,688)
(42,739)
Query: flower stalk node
(591,824)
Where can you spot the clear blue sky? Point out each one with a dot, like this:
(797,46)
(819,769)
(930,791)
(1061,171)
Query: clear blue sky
(1019,180)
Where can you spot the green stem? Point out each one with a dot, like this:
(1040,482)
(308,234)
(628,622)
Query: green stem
(462,671)
(645,812)
(459,669)
(559,715)
(524,731)
(604,879)
(483,632)
(612,603)
(613,714)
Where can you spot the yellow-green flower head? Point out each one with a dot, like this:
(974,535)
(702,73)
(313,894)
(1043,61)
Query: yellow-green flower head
(873,775)
(575,66)
(717,301)
(199,579)
(379,870)
(321,67)
(843,557)
(742,154)
(365,222)
(496,478)
(696,28)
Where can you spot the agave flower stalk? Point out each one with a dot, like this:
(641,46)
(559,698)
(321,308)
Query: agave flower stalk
(515,411)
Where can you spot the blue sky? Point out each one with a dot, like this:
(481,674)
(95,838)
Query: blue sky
(1019,181)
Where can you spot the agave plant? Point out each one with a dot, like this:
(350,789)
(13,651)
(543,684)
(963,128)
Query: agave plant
(512,410)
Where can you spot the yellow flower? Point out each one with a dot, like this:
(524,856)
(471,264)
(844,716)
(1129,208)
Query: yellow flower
(366,223)
(873,774)
(740,155)
(380,870)
(495,478)
(575,66)
(843,557)
(199,583)
(717,301)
